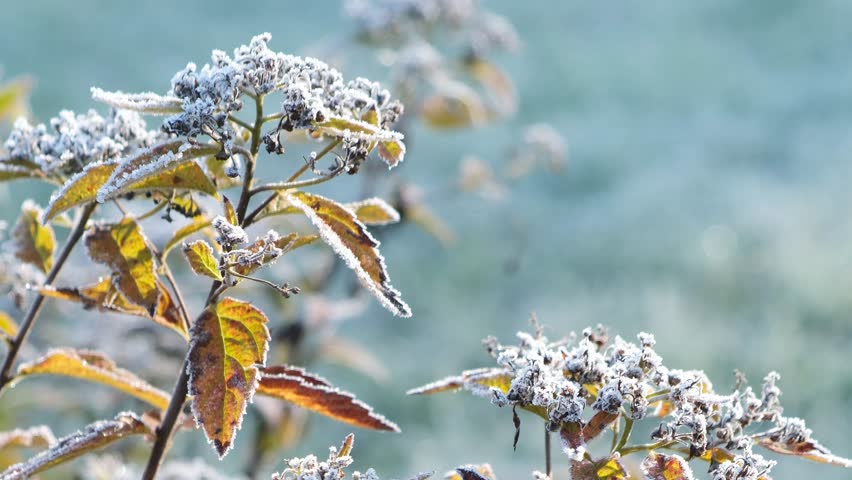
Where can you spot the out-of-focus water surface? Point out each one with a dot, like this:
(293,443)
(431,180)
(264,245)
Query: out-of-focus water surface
(706,199)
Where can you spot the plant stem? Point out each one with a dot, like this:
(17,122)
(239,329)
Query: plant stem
(547,463)
(250,218)
(625,436)
(646,447)
(299,183)
(248,178)
(30,318)
(164,431)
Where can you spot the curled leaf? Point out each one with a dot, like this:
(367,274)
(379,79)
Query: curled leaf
(795,439)
(95,436)
(122,247)
(200,256)
(657,466)
(94,367)
(391,148)
(374,211)
(229,342)
(316,394)
(34,242)
(104,296)
(148,103)
(349,238)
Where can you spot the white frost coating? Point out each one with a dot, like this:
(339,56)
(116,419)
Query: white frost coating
(390,212)
(70,183)
(30,437)
(228,235)
(389,297)
(148,102)
(124,423)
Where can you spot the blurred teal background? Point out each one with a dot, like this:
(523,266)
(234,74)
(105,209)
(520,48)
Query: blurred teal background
(706,199)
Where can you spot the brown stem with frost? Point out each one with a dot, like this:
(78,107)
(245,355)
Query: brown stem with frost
(32,314)
(547,461)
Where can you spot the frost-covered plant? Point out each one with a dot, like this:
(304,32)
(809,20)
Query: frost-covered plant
(583,388)
(203,147)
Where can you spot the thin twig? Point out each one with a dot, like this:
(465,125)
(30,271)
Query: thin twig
(547,463)
(300,183)
(35,308)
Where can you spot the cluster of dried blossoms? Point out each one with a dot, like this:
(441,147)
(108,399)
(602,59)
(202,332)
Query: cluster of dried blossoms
(585,387)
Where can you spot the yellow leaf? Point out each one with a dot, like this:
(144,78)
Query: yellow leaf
(346,448)
(198,224)
(94,367)
(104,296)
(94,437)
(229,342)
(33,437)
(123,248)
(199,254)
(8,325)
(475,380)
(374,211)
(496,83)
(13,98)
(611,469)
(391,148)
(456,106)
(230,213)
(84,187)
(350,239)
(34,242)
(13,172)
(145,170)
(316,394)
(216,172)
(657,466)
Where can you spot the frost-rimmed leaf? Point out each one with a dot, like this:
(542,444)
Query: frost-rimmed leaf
(104,296)
(14,172)
(605,469)
(198,224)
(200,256)
(657,466)
(230,211)
(151,162)
(374,211)
(229,342)
(122,247)
(34,242)
(797,441)
(84,186)
(316,394)
(94,367)
(94,437)
(349,238)
(33,437)
(479,380)
(149,103)
(391,148)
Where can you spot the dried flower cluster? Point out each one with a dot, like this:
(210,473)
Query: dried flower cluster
(584,387)
(70,142)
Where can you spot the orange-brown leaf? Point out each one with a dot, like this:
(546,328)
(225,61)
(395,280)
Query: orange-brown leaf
(657,466)
(316,394)
(95,436)
(806,448)
(122,247)
(104,296)
(94,367)
(33,437)
(349,238)
(374,211)
(228,343)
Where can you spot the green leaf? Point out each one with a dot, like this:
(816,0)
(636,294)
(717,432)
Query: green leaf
(94,367)
(123,248)
(316,394)
(228,343)
(200,256)
(106,298)
(94,437)
(34,242)
(374,211)
(349,238)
